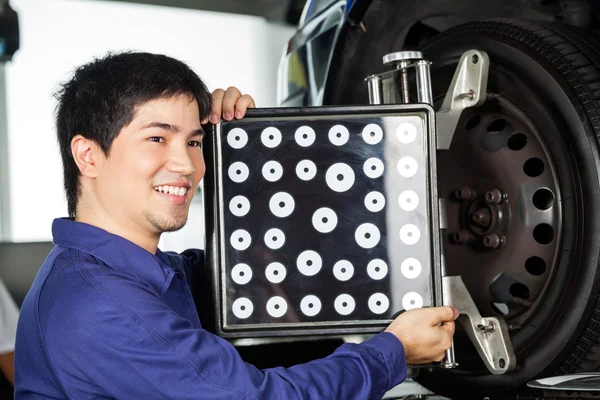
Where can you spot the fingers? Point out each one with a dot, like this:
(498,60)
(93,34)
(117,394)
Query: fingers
(232,94)
(449,326)
(243,103)
(229,103)
(217,102)
(443,314)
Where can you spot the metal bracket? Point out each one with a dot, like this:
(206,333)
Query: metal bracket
(468,89)
(489,335)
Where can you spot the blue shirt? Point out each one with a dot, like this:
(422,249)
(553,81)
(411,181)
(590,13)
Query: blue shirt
(108,319)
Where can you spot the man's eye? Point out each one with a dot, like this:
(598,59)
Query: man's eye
(156,139)
(194,143)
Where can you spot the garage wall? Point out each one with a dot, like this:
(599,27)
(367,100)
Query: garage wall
(57,35)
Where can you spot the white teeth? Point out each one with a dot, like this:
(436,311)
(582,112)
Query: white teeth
(177,191)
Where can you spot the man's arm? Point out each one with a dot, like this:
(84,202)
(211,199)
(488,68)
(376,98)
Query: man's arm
(138,347)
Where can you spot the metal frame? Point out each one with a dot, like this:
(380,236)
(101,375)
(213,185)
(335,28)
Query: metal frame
(215,240)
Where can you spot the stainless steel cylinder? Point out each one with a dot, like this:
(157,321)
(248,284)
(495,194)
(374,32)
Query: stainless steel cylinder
(375,89)
(423,82)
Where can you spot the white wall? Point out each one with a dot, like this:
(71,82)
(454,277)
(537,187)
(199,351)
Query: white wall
(58,35)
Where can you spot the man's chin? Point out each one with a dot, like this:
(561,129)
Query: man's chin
(173,228)
(165,224)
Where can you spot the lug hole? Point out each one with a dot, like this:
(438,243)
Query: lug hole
(475,58)
(533,167)
(543,234)
(517,142)
(535,266)
(496,125)
(519,290)
(543,199)
(473,122)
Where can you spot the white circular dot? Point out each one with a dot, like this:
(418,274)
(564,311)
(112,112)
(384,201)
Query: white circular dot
(305,136)
(306,170)
(238,172)
(410,234)
(274,238)
(240,239)
(407,167)
(242,308)
(272,171)
(378,303)
(282,204)
(406,133)
(374,201)
(372,134)
(412,300)
(411,268)
(339,135)
(276,306)
(377,269)
(408,200)
(239,206)
(241,274)
(237,138)
(344,304)
(310,305)
(367,235)
(373,167)
(275,272)
(309,262)
(324,220)
(339,177)
(343,270)
(271,137)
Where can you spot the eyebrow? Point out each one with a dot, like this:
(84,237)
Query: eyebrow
(172,128)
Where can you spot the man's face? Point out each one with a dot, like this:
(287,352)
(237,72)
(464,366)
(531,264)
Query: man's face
(154,166)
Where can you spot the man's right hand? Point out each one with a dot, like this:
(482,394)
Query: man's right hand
(424,339)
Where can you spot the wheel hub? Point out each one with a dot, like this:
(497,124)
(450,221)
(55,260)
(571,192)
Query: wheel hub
(503,209)
(482,216)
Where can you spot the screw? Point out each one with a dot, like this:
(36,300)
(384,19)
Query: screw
(462,237)
(488,328)
(481,217)
(494,196)
(464,193)
(470,95)
(493,240)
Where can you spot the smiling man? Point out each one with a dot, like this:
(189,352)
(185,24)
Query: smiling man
(109,315)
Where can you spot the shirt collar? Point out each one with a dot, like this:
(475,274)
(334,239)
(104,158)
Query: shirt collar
(115,251)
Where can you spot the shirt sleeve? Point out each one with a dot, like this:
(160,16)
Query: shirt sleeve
(9,314)
(122,337)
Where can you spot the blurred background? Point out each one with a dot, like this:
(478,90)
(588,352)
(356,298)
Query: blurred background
(227,42)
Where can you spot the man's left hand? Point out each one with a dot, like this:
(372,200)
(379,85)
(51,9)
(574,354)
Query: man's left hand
(229,104)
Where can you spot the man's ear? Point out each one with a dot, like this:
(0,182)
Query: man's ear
(87,154)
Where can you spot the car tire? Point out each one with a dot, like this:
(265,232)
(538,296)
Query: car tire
(550,73)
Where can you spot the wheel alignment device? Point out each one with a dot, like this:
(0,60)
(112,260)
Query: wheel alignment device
(489,335)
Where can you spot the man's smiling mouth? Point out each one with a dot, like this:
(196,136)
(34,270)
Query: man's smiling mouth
(174,190)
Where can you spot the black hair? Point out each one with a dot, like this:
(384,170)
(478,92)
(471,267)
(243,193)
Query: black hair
(101,97)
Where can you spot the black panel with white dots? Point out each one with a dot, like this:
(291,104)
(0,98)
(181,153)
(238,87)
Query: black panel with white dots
(324,218)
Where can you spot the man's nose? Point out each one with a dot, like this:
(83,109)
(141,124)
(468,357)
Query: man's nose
(180,160)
